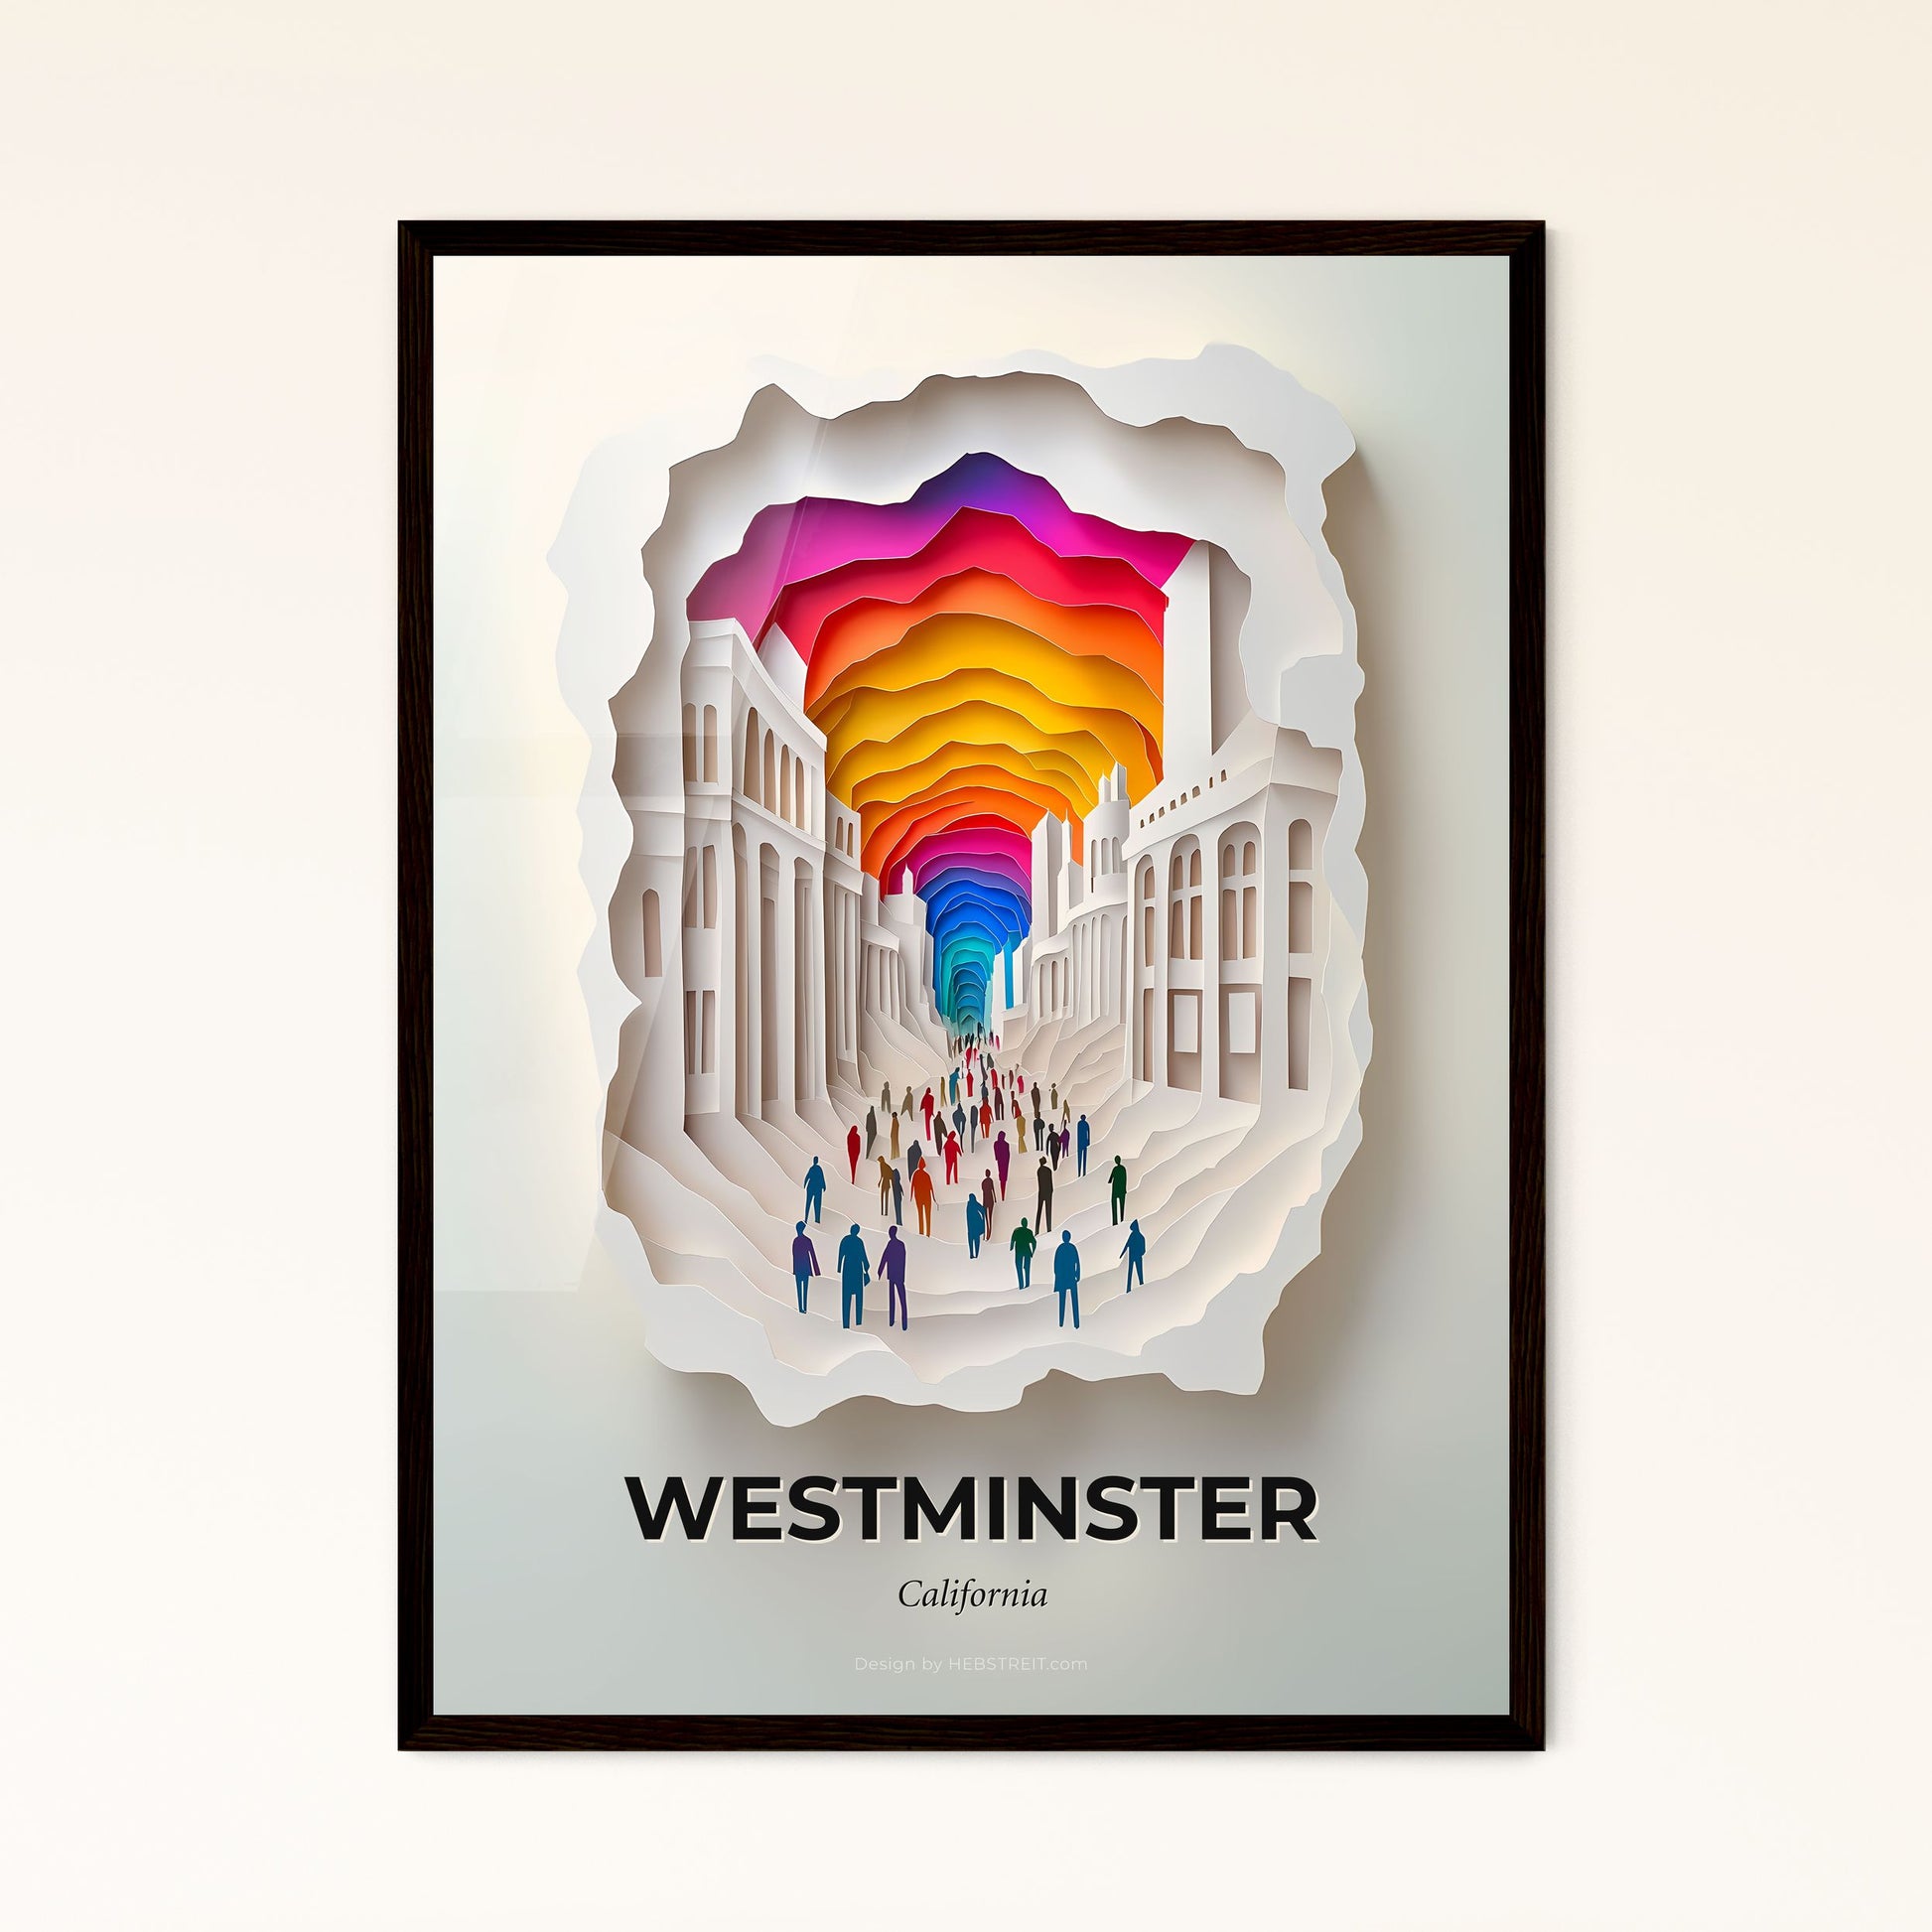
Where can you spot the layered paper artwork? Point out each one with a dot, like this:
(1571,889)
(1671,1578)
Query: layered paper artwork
(987,734)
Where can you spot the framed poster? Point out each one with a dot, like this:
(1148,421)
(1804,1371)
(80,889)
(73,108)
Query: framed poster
(971,987)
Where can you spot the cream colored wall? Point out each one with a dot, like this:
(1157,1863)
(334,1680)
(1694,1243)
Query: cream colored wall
(198,591)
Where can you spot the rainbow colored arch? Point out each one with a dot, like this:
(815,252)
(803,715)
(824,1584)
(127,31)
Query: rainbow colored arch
(977,656)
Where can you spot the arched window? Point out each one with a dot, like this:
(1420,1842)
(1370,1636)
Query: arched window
(711,744)
(1301,846)
(784,783)
(1146,916)
(749,780)
(1176,908)
(690,744)
(690,886)
(1230,914)
(653,937)
(1194,904)
(769,796)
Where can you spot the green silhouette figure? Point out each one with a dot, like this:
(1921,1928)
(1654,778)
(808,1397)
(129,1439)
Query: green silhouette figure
(1023,1244)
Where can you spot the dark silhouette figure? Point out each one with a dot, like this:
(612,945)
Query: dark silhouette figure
(892,1264)
(1053,1149)
(815,1193)
(975,1224)
(1022,1243)
(959,1123)
(893,1149)
(852,1148)
(1046,1203)
(1066,1276)
(1001,1156)
(898,1195)
(884,1182)
(872,1130)
(1082,1140)
(1136,1253)
(1117,1188)
(804,1264)
(987,1199)
(855,1271)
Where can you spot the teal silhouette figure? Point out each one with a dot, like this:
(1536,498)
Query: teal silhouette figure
(1082,1140)
(1136,1253)
(1023,1244)
(1117,1188)
(804,1264)
(815,1193)
(975,1223)
(892,1265)
(855,1271)
(1066,1276)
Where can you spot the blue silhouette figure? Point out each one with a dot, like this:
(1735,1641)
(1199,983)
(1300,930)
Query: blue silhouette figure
(815,1193)
(892,1265)
(855,1271)
(804,1264)
(1066,1276)
(1136,1253)
(1082,1140)
(975,1223)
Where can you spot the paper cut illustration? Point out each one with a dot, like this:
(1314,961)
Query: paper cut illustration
(991,895)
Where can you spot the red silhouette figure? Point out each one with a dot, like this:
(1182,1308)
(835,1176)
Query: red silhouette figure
(852,1149)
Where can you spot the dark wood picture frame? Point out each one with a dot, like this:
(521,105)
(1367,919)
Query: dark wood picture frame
(1522,1727)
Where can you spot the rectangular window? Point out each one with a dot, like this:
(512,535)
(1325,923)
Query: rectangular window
(1299,991)
(1186,1023)
(1300,917)
(1243,1021)
(690,1032)
(709,1062)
